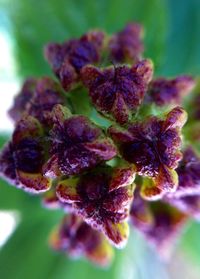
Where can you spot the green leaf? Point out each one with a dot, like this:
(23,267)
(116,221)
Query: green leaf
(183,55)
(190,242)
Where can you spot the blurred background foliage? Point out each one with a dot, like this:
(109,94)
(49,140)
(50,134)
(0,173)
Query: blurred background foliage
(172,39)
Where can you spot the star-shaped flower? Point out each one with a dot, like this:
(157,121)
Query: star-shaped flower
(127,45)
(37,98)
(68,58)
(102,197)
(22,99)
(76,144)
(22,159)
(163,91)
(76,238)
(118,91)
(189,174)
(159,223)
(154,148)
(47,94)
(187,196)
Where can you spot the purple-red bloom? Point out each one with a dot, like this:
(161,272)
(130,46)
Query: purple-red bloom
(48,93)
(117,92)
(67,59)
(163,91)
(102,197)
(189,174)
(76,238)
(159,222)
(22,159)
(37,98)
(127,45)
(76,144)
(187,196)
(22,99)
(154,148)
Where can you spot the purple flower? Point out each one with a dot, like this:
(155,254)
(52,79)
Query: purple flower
(37,98)
(117,92)
(163,91)
(68,58)
(76,144)
(22,99)
(154,148)
(189,174)
(22,159)
(187,196)
(102,197)
(127,45)
(159,223)
(76,238)
(47,94)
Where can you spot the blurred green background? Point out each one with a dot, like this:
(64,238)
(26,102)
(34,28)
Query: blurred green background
(172,40)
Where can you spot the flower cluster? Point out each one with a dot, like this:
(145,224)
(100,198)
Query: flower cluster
(134,168)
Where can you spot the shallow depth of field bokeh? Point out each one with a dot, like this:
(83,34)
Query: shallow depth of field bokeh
(172,41)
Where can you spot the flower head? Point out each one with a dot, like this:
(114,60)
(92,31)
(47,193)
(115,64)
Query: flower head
(158,222)
(68,58)
(22,159)
(102,197)
(37,98)
(117,92)
(154,148)
(76,238)
(189,174)
(76,144)
(127,45)
(22,99)
(187,196)
(47,94)
(170,91)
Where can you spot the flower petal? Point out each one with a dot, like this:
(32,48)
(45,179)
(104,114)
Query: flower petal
(119,199)
(66,190)
(167,179)
(89,75)
(60,114)
(121,177)
(50,199)
(119,134)
(144,69)
(120,110)
(67,75)
(51,168)
(104,148)
(117,233)
(34,183)
(176,118)
(27,127)
(149,191)
(102,253)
